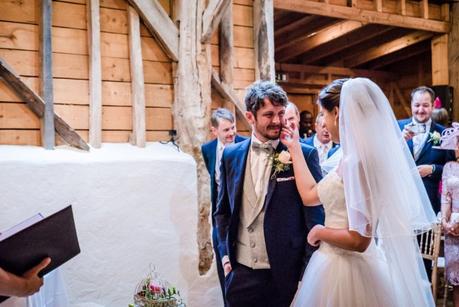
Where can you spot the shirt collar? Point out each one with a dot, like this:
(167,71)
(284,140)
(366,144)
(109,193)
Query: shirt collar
(318,143)
(427,123)
(273,143)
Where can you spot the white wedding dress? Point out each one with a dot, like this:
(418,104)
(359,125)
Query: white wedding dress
(336,277)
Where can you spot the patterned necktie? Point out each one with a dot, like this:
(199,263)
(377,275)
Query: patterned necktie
(267,148)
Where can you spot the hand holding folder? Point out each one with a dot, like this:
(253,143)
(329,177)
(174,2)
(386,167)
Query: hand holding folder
(54,237)
(24,285)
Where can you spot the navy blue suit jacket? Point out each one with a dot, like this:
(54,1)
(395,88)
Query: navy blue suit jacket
(310,141)
(286,220)
(431,156)
(209,153)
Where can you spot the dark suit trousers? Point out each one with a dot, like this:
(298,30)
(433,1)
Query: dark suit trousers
(218,258)
(246,287)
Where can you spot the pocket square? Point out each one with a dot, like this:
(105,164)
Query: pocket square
(282,179)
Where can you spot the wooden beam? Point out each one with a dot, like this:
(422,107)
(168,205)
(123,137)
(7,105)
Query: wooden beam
(95,74)
(137,82)
(212,17)
(263,30)
(294,25)
(440,64)
(301,90)
(300,46)
(311,69)
(46,80)
(347,41)
(160,25)
(397,57)
(37,105)
(309,82)
(387,48)
(405,104)
(362,15)
(303,27)
(227,93)
(226,53)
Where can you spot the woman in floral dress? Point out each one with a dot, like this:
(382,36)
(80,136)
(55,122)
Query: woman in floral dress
(450,210)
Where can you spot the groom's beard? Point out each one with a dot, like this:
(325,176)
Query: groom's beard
(270,132)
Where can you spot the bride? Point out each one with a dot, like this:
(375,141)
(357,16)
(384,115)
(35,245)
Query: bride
(374,202)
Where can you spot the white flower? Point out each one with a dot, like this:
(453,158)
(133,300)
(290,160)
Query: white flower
(435,138)
(284,157)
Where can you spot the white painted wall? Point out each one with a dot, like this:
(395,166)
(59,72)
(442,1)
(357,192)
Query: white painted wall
(133,207)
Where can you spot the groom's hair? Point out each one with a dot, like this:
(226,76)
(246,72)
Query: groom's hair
(258,91)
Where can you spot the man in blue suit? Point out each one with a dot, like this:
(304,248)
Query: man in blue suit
(261,222)
(421,134)
(223,127)
(321,140)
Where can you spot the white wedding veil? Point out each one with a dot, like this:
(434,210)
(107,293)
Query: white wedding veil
(384,193)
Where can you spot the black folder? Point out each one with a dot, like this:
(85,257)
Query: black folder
(54,236)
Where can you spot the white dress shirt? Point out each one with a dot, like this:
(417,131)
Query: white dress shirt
(218,160)
(420,138)
(322,149)
(261,164)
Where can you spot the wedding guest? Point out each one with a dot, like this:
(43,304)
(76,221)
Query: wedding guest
(321,140)
(223,127)
(25,285)
(306,124)
(440,114)
(422,135)
(450,210)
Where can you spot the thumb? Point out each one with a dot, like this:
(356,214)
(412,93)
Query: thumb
(39,267)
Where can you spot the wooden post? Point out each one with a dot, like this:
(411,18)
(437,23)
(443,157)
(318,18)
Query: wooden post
(263,27)
(402,7)
(137,82)
(379,5)
(95,75)
(440,74)
(46,80)
(453,53)
(192,109)
(424,8)
(226,54)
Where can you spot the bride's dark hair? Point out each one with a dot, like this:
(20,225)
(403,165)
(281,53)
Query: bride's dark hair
(329,95)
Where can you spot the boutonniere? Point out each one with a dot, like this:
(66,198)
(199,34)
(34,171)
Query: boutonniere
(435,137)
(281,162)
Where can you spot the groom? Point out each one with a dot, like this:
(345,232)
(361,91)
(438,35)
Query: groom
(261,222)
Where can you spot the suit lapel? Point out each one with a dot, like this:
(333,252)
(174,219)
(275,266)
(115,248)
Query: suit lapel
(410,146)
(212,158)
(239,165)
(272,180)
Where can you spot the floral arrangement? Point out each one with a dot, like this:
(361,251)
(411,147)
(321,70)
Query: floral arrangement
(435,137)
(281,162)
(155,292)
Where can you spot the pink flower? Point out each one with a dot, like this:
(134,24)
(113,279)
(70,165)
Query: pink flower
(156,289)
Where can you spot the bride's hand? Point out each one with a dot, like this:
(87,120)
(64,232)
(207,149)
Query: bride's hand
(313,235)
(290,135)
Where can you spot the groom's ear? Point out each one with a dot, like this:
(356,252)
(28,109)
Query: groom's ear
(250,117)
